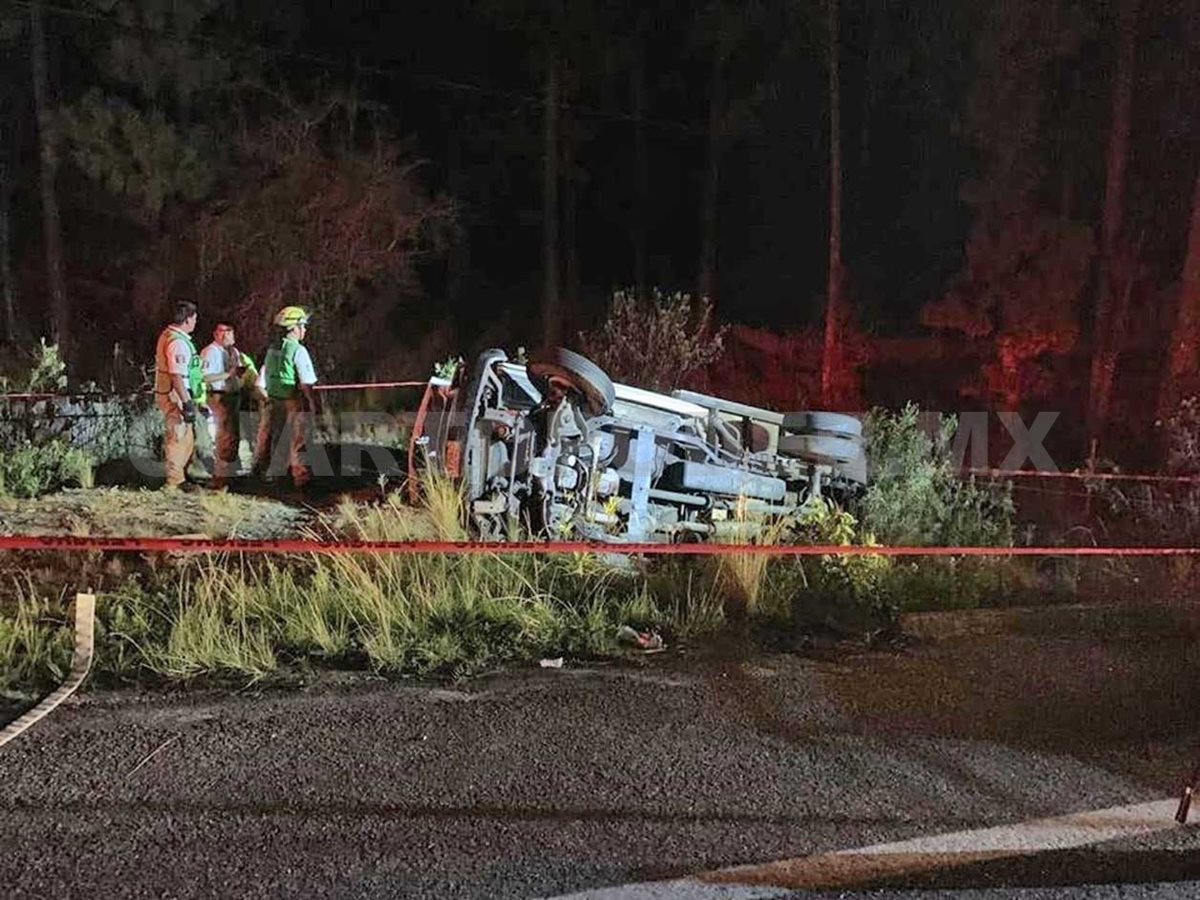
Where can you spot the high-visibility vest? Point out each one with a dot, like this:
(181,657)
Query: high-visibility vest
(195,373)
(251,374)
(279,369)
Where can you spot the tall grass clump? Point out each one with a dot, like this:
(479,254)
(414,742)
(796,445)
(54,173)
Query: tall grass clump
(220,628)
(395,613)
(456,613)
(839,593)
(132,624)
(35,645)
(743,577)
(691,598)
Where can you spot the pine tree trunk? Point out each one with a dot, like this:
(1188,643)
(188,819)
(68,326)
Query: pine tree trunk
(1183,355)
(550,285)
(833,301)
(641,177)
(6,275)
(1066,195)
(570,218)
(60,313)
(875,41)
(1068,189)
(1110,311)
(712,172)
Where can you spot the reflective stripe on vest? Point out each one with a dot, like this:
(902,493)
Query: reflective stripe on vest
(195,373)
(279,369)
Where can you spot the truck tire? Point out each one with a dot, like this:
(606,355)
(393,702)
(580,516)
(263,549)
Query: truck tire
(855,471)
(822,423)
(836,449)
(579,372)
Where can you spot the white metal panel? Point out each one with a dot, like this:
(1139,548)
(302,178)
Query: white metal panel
(660,401)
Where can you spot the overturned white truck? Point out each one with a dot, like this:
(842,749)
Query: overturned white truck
(554,448)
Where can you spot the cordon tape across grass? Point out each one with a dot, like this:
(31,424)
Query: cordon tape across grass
(64,543)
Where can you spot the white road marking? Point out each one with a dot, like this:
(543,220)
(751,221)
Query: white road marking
(848,868)
(684,889)
(1058,833)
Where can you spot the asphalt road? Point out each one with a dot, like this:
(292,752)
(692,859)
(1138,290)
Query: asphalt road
(548,783)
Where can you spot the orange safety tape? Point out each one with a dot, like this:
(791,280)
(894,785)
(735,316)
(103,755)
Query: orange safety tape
(360,386)
(298,545)
(1083,476)
(367,385)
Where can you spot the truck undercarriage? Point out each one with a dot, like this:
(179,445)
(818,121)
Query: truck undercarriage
(554,448)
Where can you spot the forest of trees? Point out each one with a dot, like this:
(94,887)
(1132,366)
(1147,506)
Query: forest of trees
(1019,176)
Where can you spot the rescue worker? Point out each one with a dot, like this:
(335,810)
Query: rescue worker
(225,371)
(287,378)
(179,391)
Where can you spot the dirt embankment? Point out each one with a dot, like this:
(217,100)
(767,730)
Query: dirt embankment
(125,513)
(117,512)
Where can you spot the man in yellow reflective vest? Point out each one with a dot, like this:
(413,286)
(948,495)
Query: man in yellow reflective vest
(179,391)
(287,378)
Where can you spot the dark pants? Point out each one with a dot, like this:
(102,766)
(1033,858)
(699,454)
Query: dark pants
(283,440)
(226,434)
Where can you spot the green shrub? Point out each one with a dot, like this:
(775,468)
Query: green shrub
(947,583)
(1182,429)
(846,592)
(657,343)
(917,498)
(49,371)
(43,373)
(29,470)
